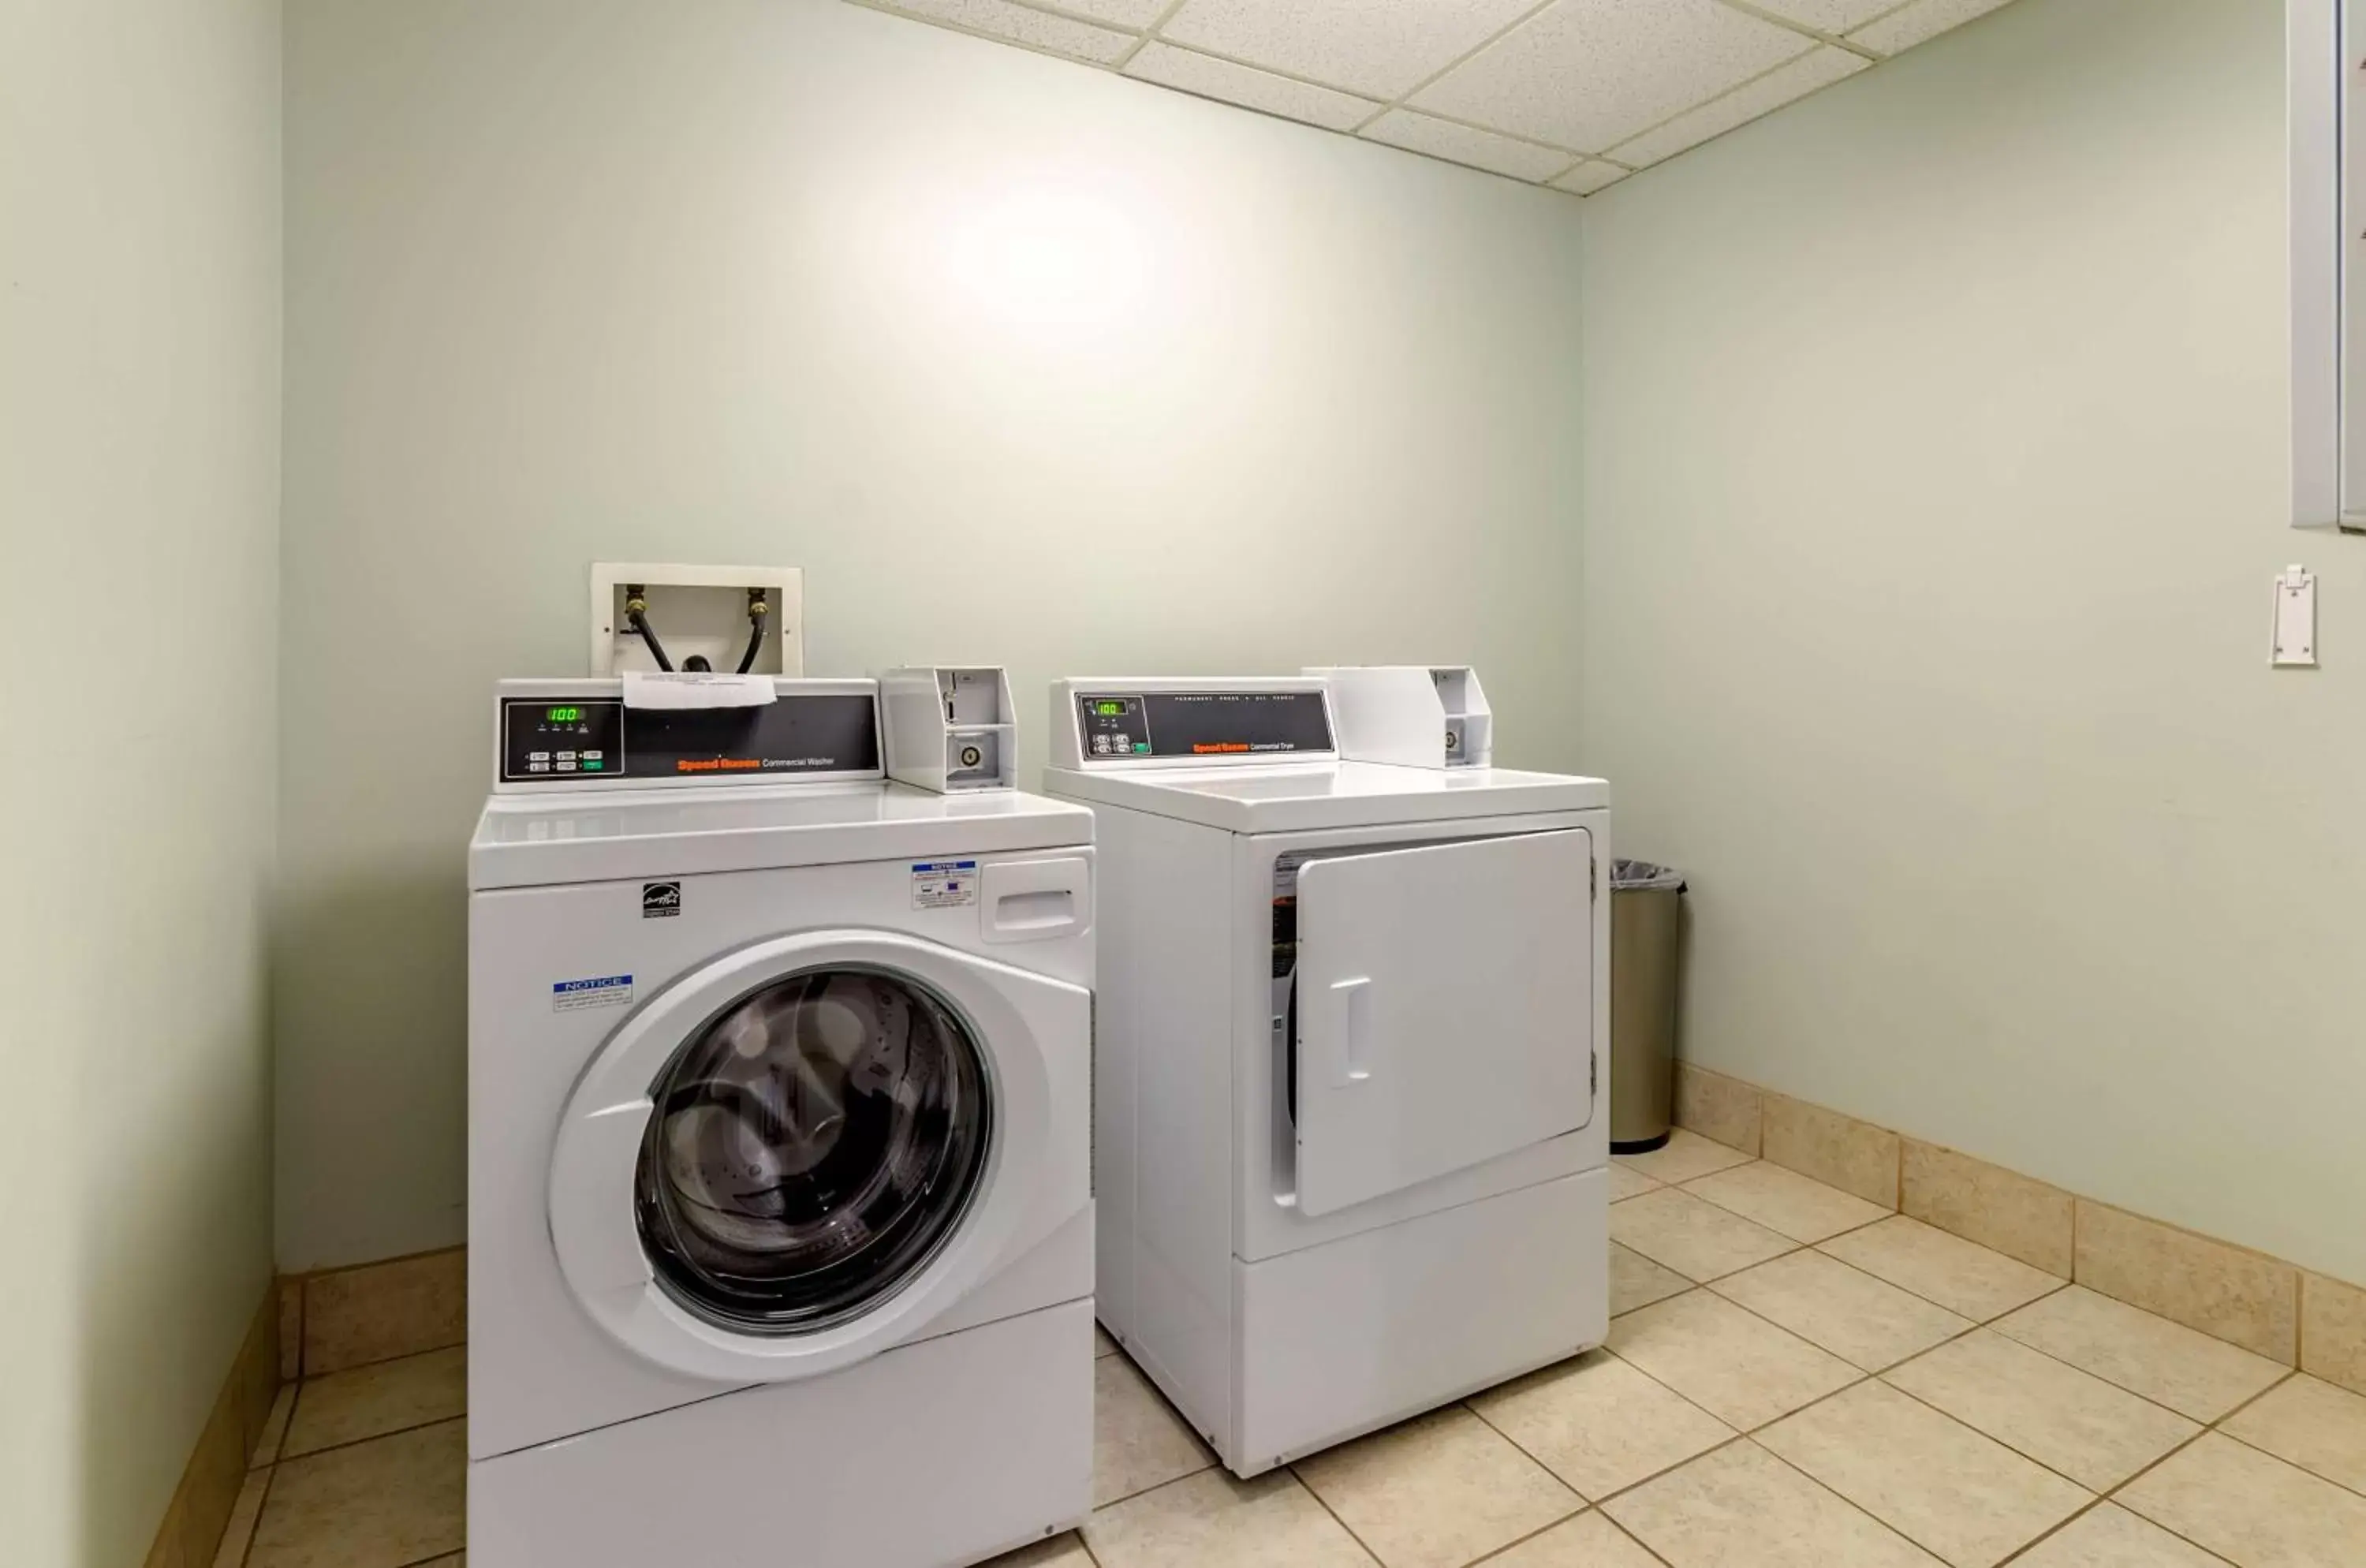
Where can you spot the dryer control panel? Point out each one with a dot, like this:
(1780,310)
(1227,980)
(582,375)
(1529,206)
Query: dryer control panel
(1171,727)
(582,734)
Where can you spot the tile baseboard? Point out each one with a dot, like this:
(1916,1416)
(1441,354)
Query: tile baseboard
(2265,1305)
(1839,1151)
(1718,1108)
(2229,1292)
(199,1511)
(2333,1331)
(351,1316)
(2002,1210)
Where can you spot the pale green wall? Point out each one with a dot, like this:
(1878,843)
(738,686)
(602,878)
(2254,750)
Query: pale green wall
(140,294)
(1022,362)
(1935,476)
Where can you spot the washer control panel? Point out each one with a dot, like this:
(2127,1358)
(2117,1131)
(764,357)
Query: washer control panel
(547,739)
(560,738)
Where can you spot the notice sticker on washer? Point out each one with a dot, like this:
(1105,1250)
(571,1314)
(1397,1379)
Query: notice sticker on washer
(600,991)
(942,883)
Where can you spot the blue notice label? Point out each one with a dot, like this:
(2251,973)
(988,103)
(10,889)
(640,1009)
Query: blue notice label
(599,991)
(942,883)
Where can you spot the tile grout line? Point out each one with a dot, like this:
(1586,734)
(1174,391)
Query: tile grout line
(1506,30)
(1324,1503)
(1964,1333)
(1752,1434)
(887,8)
(1354,130)
(2022,1550)
(1664,123)
(1497,1553)
(2242,1442)
(287,1459)
(1990,1325)
(1844,1500)
(1602,1508)
(2133,1393)
(1838,40)
(262,1504)
(1595,1503)
(2094,1495)
(1762,1224)
(2219,1426)
(1155,1485)
(1159,1486)
(1155,33)
(2059,1285)
(2079,1202)
(1141,37)
(1862,1376)
(385,1360)
(2115,1494)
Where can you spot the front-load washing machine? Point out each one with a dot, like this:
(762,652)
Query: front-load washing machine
(1352,1043)
(780,1221)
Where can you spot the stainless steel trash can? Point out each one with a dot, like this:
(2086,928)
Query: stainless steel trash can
(1645,927)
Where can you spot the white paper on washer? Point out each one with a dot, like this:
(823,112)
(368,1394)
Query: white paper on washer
(695,688)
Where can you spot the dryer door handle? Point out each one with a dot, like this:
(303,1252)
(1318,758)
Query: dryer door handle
(1355,998)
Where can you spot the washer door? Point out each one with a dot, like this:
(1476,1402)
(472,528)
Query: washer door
(802,1153)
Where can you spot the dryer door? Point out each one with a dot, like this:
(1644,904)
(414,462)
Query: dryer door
(1445,1009)
(802,1153)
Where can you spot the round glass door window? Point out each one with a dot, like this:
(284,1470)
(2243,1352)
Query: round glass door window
(812,1147)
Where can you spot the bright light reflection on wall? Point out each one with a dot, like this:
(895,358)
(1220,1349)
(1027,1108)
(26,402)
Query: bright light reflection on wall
(1066,254)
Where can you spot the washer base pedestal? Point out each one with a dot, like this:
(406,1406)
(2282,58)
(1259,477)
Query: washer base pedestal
(936,1455)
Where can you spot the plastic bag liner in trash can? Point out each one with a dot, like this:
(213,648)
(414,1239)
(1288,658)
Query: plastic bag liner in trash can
(1641,873)
(1646,913)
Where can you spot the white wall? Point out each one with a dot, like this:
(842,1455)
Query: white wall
(139,293)
(1024,362)
(1935,434)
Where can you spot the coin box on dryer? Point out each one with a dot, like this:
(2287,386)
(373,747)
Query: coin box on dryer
(1417,716)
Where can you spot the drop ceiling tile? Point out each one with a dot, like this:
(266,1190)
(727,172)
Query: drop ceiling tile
(1591,74)
(1382,48)
(1590,176)
(1460,144)
(1911,25)
(1824,16)
(1135,13)
(1213,78)
(1039,29)
(1819,68)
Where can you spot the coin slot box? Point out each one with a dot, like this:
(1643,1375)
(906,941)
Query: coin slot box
(950,729)
(1417,716)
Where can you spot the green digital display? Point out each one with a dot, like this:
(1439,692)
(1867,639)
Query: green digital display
(1111,710)
(567,716)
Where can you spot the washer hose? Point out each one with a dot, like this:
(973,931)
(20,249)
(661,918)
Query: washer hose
(757,610)
(637,615)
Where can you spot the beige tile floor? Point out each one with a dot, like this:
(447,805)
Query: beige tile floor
(1795,1379)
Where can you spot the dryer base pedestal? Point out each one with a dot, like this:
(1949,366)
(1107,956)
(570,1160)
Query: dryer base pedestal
(937,1455)
(1343,1338)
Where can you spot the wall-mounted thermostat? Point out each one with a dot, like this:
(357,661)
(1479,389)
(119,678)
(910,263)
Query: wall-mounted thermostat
(691,617)
(1417,716)
(950,729)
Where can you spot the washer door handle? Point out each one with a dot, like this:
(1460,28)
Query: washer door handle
(1031,900)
